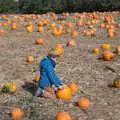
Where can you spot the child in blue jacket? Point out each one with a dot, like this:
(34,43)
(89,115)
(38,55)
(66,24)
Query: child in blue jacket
(48,77)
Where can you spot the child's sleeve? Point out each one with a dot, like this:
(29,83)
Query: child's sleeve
(52,75)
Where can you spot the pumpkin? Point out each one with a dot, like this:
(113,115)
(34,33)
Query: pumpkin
(40,24)
(111,34)
(1,31)
(105,46)
(37,77)
(14,27)
(117,49)
(71,43)
(102,25)
(80,23)
(73,87)
(29,28)
(9,87)
(59,46)
(65,93)
(96,50)
(63,116)
(40,29)
(84,102)
(117,83)
(107,55)
(52,25)
(119,25)
(30,59)
(39,41)
(29,24)
(17,113)
(74,33)
(69,24)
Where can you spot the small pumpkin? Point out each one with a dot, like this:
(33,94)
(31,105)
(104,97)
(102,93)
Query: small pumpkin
(117,83)
(29,29)
(107,55)
(84,102)
(73,87)
(96,50)
(59,46)
(71,43)
(117,49)
(106,46)
(9,87)
(39,41)
(16,113)
(63,116)
(40,29)
(74,33)
(1,31)
(65,93)
(37,77)
(30,59)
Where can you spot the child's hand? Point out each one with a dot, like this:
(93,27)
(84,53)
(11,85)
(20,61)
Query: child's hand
(61,87)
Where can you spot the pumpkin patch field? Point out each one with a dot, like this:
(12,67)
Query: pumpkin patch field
(89,44)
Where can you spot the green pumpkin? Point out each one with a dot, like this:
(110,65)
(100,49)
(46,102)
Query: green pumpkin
(8,87)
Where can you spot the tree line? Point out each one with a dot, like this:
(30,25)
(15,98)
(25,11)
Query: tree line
(58,6)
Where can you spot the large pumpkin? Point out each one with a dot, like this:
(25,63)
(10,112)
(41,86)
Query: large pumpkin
(63,116)
(66,93)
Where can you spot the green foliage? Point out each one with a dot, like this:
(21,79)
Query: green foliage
(58,6)
(8,6)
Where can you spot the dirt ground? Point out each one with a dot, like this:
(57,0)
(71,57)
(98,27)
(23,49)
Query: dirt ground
(78,64)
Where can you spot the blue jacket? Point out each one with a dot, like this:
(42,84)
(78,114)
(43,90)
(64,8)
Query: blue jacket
(48,76)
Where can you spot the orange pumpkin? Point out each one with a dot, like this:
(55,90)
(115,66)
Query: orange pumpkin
(40,29)
(17,113)
(30,59)
(71,43)
(73,87)
(84,102)
(96,50)
(40,24)
(59,46)
(65,93)
(1,31)
(105,46)
(37,77)
(107,55)
(39,41)
(117,83)
(29,29)
(14,27)
(63,116)
(117,49)
(74,33)
(102,25)
(111,34)
(69,24)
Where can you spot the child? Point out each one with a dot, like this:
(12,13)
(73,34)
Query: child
(49,82)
